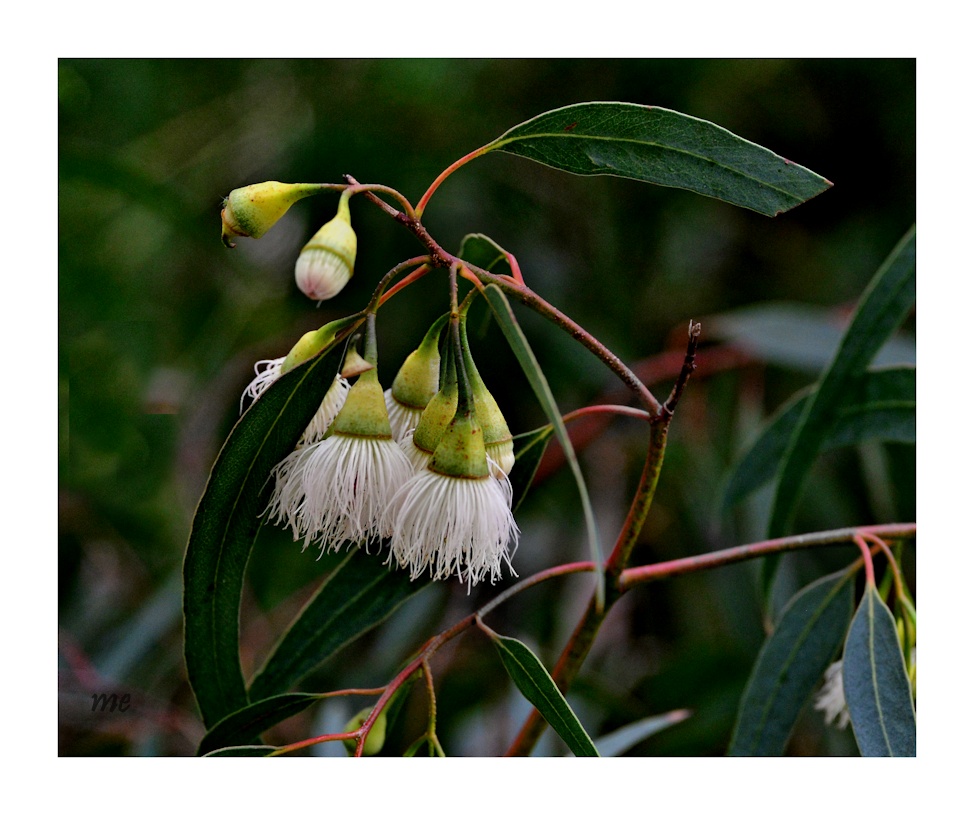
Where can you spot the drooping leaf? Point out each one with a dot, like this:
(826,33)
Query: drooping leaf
(877,689)
(226,522)
(534,681)
(798,336)
(663,147)
(243,751)
(244,726)
(356,596)
(484,252)
(790,664)
(879,405)
(528,451)
(625,738)
(539,384)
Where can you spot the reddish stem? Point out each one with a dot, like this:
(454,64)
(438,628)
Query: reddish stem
(421,206)
(867,560)
(412,277)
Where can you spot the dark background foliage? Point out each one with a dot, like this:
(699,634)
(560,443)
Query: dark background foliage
(160,326)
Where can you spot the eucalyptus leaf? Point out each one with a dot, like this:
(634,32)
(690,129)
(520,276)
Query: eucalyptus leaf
(879,405)
(625,738)
(529,449)
(244,726)
(539,384)
(883,306)
(355,597)
(484,252)
(877,689)
(226,522)
(663,147)
(534,681)
(790,665)
(245,751)
(798,336)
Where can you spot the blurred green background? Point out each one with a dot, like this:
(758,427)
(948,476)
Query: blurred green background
(160,327)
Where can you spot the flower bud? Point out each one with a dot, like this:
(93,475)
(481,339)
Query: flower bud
(416,383)
(377,735)
(249,212)
(326,262)
(497,436)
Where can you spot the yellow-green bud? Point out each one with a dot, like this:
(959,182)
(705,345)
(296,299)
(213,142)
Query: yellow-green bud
(377,735)
(249,212)
(460,452)
(314,342)
(364,412)
(327,261)
(436,417)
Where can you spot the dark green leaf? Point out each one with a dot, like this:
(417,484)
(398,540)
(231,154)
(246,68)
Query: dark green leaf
(882,308)
(662,147)
(358,595)
(877,690)
(484,252)
(539,384)
(791,663)
(226,522)
(878,405)
(625,738)
(245,726)
(247,751)
(528,450)
(540,690)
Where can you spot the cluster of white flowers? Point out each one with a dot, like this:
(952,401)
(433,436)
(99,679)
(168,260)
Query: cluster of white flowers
(357,478)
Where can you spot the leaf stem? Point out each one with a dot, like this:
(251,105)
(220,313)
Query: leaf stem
(867,559)
(619,410)
(421,206)
(379,296)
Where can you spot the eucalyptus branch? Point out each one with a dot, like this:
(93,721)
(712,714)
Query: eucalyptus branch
(442,177)
(689,366)
(378,295)
(369,191)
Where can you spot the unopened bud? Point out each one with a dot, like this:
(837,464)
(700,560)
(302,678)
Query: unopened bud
(249,212)
(326,262)
(377,735)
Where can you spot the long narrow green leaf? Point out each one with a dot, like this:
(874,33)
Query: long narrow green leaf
(245,725)
(356,596)
(791,662)
(529,449)
(879,405)
(883,306)
(539,384)
(663,147)
(534,681)
(243,751)
(876,686)
(225,524)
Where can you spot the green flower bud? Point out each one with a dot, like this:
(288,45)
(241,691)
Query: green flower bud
(364,412)
(377,735)
(326,262)
(314,342)
(461,452)
(497,436)
(249,212)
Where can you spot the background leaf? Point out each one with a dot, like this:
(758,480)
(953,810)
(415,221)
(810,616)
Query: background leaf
(529,449)
(876,686)
(882,308)
(798,336)
(246,751)
(662,147)
(878,405)
(790,665)
(359,594)
(625,738)
(226,522)
(244,726)
(529,364)
(484,252)
(534,681)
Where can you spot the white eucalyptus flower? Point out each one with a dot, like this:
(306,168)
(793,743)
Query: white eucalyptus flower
(831,698)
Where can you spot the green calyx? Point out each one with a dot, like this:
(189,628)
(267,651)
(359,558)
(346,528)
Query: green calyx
(364,412)
(488,412)
(249,212)
(461,452)
(314,342)
(418,379)
(439,412)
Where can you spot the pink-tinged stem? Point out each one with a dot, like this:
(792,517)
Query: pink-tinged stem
(658,571)
(867,560)
(893,565)
(412,277)
(618,410)
(421,206)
